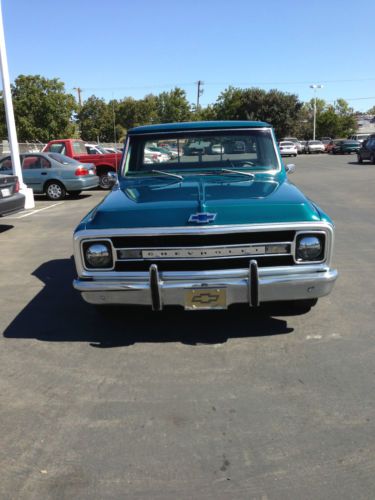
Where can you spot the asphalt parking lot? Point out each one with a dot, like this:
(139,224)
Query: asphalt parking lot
(223,405)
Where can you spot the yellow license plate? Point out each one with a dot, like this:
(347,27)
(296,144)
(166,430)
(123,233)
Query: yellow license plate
(206,298)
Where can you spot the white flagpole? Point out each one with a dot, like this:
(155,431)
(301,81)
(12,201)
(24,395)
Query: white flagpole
(12,133)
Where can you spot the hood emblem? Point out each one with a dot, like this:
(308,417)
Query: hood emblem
(202,218)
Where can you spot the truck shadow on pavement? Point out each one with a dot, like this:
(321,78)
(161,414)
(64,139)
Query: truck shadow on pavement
(59,314)
(5,227)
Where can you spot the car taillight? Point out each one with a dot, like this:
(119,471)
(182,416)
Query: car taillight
(81,171)
(17,186)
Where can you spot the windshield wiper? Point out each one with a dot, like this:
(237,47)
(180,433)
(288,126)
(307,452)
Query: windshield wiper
(231,171)
(161,172)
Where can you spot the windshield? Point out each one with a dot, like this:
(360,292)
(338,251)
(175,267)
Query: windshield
(191,151)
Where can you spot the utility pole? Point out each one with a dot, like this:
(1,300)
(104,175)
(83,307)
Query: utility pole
(11,124)
(79,90)
(199,91)
(315,87)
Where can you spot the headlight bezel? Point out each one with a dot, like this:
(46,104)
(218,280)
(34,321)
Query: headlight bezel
(322,237)
(85,245)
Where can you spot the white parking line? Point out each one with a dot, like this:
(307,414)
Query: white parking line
(36,211)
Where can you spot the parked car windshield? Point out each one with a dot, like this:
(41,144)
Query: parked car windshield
(247,149)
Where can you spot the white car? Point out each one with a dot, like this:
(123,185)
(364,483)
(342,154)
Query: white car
(112,150)
(288,148)
(95,149)
(315,147)
(155,156)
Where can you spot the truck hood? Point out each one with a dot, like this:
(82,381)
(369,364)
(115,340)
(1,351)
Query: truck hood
(163,202)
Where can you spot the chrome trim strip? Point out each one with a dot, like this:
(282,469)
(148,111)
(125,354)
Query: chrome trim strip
(201,230)
(203,252)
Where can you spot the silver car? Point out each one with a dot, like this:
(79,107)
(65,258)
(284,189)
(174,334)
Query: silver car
(53,174)
(296,142)
(315,147)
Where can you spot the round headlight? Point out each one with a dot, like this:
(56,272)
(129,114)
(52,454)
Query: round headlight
(309,248)
(98,255)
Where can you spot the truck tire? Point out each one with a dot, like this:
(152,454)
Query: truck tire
(104,179)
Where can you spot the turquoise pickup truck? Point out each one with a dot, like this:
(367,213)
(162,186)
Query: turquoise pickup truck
(206,230)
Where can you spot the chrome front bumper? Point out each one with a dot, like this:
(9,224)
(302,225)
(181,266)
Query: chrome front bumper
(248,286)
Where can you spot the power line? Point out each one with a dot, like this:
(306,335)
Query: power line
(190,84)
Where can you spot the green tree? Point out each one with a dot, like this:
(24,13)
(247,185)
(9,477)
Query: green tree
(206,114)
(173,106)
(96,120)
(147,110)
(336,120)
(278,108)
(127,113)
(327,123)
(346,115)
(42,108)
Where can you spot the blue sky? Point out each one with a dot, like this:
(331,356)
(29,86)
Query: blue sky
(119,48)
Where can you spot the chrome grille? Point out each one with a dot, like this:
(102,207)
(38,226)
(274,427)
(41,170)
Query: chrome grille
(204,251)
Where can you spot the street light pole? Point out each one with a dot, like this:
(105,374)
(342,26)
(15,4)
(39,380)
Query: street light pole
(315,86)
(12,133)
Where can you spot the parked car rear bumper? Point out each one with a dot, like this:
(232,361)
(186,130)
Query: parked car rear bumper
(12,204)
(82,183)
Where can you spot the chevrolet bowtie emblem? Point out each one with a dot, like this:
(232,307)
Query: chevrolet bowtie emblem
(202,218)
(206,298)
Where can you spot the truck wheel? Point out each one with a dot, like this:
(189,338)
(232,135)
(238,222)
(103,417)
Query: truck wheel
(55,191)
(104,181)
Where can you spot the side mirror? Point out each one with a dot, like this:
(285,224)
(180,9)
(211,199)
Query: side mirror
(290,168)
(112,179)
